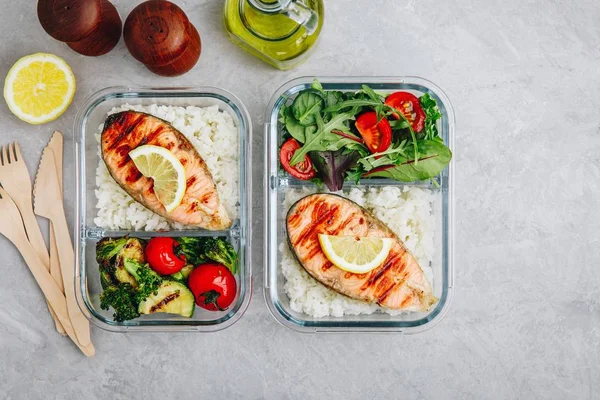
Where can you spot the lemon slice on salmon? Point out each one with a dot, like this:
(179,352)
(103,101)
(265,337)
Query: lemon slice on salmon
(355,254)
(39,88)
(166,171)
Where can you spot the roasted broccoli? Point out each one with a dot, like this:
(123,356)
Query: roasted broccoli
(108,248)
(190,248)
(121,297)
(125,278)
(199,250)
(147,280)
(221,251)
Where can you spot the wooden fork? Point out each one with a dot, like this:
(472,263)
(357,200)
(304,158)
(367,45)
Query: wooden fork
(11,226)
(15,179)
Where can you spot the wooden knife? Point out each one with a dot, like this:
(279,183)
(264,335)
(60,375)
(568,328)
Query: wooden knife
(48,202)
(56,144)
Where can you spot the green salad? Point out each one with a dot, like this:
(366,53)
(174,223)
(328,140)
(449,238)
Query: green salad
(333,136)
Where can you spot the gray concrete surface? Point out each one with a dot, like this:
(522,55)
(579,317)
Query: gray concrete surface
(524,77)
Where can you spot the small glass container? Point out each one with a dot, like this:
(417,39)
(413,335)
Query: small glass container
(277,183)
(90,116)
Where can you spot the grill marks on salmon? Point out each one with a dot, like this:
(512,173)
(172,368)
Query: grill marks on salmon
(398,283)
(127,130)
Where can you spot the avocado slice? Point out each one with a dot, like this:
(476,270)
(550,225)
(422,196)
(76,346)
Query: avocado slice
(172,297)
(134,250)
(182,275)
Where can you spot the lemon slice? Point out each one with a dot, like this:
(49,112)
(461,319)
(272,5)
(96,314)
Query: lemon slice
(39,88)
(165,169)
(355,254)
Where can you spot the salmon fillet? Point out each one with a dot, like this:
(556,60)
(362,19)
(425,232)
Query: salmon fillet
(127,130)
(399,283)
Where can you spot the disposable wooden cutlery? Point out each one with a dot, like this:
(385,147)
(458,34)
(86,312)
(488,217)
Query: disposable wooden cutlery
(11,226)
(15,179)
(48,203)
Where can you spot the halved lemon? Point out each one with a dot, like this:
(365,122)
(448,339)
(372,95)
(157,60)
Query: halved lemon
(355,254)
(39,88)
(165,169)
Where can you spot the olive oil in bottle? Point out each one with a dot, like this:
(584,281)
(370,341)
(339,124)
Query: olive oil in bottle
(280,32)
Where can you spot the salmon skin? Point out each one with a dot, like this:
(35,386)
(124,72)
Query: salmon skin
(399,283)
(124,131)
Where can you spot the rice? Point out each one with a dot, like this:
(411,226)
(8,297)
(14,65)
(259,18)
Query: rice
(406,210)
(215,136)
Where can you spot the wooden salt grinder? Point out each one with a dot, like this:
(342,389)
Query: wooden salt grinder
(159,34)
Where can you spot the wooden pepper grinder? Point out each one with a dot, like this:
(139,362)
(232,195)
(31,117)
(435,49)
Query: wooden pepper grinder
(90,27)
(160,35)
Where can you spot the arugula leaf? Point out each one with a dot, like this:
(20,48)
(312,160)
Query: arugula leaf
(375,97)
(356,146)
(352,103)
(355,174)
(434,157)
(332,166)
(371,93)
(380,107)
(398,124)
(306,106)
(432,114)
(396,154)
(323,139)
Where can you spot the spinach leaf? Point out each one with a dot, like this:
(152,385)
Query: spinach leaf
(433,158)
(432,114)
(333,97)
(332,166)
(294,128)
(306,106)
(323,138)
(316,85)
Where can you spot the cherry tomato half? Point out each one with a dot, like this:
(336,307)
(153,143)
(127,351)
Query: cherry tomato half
(213,285)
(303,170)
(410,106)
(377,135)
(160,253)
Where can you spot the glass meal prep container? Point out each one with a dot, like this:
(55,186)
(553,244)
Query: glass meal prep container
(88,288)
(277,182)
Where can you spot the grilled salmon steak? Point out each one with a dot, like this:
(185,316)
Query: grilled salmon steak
(127,130)
(398,283)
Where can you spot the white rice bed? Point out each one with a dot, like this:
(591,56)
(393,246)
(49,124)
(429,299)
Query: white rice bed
(406,210)
(215,136)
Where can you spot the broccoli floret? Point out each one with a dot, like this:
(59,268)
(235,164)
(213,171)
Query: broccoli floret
(147,280)
(121,298)
(199,250)
(106,278)
(108,248)
(190,248)
(221,251)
